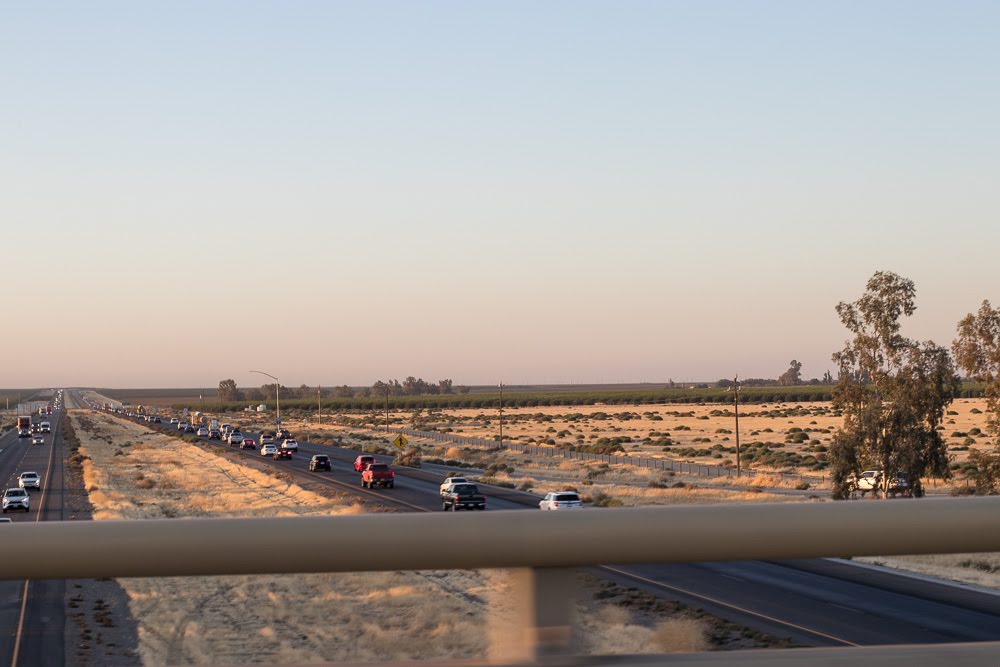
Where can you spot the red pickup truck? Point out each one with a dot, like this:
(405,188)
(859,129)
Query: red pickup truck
(363,461)
(378,474)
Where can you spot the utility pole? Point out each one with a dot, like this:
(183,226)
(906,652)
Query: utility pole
(387,390)
(319,402)
(736,402)
(501,415)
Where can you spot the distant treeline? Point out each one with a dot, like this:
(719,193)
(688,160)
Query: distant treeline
(126,395)
(562,397)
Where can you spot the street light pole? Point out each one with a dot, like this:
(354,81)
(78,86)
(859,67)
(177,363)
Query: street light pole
(277,395)
(319,403)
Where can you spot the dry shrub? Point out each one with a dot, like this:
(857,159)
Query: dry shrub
(613,615)
(453,453)
(680,635)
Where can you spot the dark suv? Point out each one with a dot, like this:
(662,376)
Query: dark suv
(320,462)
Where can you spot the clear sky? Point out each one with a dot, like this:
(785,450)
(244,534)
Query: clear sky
(531,191)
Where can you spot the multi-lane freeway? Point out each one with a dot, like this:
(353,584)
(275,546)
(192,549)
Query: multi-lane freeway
(815,602)
(33,614)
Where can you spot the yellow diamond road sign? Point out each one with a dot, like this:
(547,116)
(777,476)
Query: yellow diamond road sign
(400,441)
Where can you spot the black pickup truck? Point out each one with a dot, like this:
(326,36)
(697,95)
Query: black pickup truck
(463,497)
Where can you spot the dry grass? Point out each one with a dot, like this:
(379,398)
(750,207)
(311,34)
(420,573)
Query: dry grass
(295,618)
(137,473)
(619,633)
(680,635)
(982,569)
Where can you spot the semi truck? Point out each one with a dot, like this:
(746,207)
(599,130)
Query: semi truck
(24,427)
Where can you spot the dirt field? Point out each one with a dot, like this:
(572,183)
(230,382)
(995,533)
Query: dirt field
(135,473)
(790,438)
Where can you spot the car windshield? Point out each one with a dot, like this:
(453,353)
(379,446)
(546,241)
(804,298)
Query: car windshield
(29,475)
(15,492)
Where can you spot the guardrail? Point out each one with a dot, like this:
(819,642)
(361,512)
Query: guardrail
(541,548)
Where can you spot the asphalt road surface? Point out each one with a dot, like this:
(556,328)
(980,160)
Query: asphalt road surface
(33,614)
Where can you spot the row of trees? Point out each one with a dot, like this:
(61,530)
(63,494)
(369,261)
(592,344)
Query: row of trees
(894,391)
(790,378)
(411,386)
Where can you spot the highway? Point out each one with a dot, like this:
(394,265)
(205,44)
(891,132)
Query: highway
(33,614)
(813,603)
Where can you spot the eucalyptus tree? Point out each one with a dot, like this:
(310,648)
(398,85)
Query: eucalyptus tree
(892,391)
(977,352)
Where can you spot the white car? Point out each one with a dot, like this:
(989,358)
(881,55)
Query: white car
(266,439)
(29,480)
(202,432)
(37,440)
(235,439)
(182,425)
(174,420)
(289,443)
(268,450)
(15,499)
(561,500)
(447,484)
(6,519)
(46,427)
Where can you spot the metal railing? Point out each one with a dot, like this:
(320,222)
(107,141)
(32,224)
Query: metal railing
(541,548)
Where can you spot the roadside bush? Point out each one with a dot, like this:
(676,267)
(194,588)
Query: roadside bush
(410,458)
(601,499)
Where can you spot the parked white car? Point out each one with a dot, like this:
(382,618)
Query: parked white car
(561,500)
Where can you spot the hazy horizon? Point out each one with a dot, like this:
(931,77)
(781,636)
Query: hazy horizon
(567,192)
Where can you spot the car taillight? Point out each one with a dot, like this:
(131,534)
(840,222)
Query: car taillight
(392,474)
(555,504)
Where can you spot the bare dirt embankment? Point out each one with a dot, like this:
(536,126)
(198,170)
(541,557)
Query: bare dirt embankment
(132,472)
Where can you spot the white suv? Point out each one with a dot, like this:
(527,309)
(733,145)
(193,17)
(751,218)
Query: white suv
(289,443)
(447,484)
(561,500)
(29,480)
(268,450)
(15,499)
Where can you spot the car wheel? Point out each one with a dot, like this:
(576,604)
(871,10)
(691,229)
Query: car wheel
(392,485)
(454,508)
